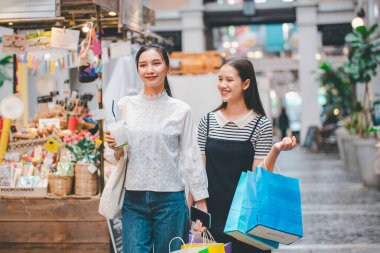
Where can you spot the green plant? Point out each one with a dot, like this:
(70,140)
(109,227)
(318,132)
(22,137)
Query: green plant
(4,62)
(339,88)
(362,66)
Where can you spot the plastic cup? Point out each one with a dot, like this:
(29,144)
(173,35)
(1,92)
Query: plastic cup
(119,131)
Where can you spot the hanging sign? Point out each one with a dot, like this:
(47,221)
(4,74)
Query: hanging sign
(64,38)
(52,145)
(38,41)
(44,99)
(14,43)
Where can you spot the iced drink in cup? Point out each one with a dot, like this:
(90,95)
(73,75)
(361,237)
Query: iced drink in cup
(120,132)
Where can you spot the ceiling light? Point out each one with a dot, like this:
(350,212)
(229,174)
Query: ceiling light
(226,44)
(112,13)
(356,22)
(234,44)
(287,1)
(260,1)
(258,55)
(85,29)
(10,23)
(318,56)
(231,2)
(250,54)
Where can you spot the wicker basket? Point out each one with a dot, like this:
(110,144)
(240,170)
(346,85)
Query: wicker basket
(60,185)
(86,183)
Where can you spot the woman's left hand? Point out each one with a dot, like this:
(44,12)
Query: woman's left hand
(286,144)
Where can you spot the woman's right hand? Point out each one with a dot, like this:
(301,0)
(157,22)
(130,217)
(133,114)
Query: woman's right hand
(110,140)
(111,144)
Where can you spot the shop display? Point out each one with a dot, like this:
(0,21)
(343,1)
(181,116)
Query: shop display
(59,147)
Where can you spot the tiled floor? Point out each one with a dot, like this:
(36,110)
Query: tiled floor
(339,213)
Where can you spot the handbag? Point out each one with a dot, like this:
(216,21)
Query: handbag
(112,199)
(238,217)
(276,206)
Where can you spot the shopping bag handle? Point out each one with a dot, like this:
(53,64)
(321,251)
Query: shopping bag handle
(275,167)
(170,243)
(205,235)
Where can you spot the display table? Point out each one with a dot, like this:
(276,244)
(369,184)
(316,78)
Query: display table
(52,224)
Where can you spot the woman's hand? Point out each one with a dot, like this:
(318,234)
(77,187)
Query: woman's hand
(201,205)
(197,227)
(286,144)
(111,144)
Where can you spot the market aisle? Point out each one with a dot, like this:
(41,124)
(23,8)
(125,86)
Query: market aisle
(339,213)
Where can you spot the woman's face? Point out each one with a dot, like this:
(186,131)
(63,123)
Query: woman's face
(230,85)
(152,69)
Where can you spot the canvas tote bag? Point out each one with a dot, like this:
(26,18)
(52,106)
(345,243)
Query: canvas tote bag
(111,202)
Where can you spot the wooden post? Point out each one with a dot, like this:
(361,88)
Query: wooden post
(100,100)
(14,73)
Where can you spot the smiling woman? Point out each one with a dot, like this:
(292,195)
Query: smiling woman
(162,146)
(235,137)
(153,66)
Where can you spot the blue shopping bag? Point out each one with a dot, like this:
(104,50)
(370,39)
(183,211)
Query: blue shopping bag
(238,217)
(276,206)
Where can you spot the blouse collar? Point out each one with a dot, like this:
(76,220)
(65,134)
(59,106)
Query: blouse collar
(157,97)
(241,122)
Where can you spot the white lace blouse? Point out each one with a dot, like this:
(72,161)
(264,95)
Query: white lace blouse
(162,150)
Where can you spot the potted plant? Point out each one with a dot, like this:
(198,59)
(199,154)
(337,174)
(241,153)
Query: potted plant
(363,63)
(339,91)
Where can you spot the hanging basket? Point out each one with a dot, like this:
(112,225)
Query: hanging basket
(86,183)
(60,185)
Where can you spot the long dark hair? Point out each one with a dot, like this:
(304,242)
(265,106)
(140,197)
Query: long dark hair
(165,56)
(251,94)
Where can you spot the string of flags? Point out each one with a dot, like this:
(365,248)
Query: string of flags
(45,51)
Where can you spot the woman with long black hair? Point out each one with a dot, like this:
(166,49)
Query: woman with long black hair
(235,137)
(162,148)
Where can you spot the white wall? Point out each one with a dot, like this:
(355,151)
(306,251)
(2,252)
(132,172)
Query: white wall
(201,93)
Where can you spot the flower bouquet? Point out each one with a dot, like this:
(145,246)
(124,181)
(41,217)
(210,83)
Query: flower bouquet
(84,147)
(84,150)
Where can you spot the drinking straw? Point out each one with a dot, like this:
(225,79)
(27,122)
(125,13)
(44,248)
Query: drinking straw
(113,102)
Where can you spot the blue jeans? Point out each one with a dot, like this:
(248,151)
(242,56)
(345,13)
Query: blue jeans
(154,218)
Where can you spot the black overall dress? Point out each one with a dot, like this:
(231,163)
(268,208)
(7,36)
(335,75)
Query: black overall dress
(225,161)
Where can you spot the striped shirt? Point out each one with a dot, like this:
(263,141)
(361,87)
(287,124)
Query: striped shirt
(240,130)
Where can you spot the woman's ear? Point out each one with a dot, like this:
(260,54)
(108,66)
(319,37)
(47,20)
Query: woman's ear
(246,84)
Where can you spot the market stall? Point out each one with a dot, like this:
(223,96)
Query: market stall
(52,166)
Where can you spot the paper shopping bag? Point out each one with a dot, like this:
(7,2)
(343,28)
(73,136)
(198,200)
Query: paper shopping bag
(238,216)
(211,247)
(187,249)
(276,206)
(199,238)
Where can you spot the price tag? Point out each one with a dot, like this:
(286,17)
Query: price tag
(52,145)
(92,168)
